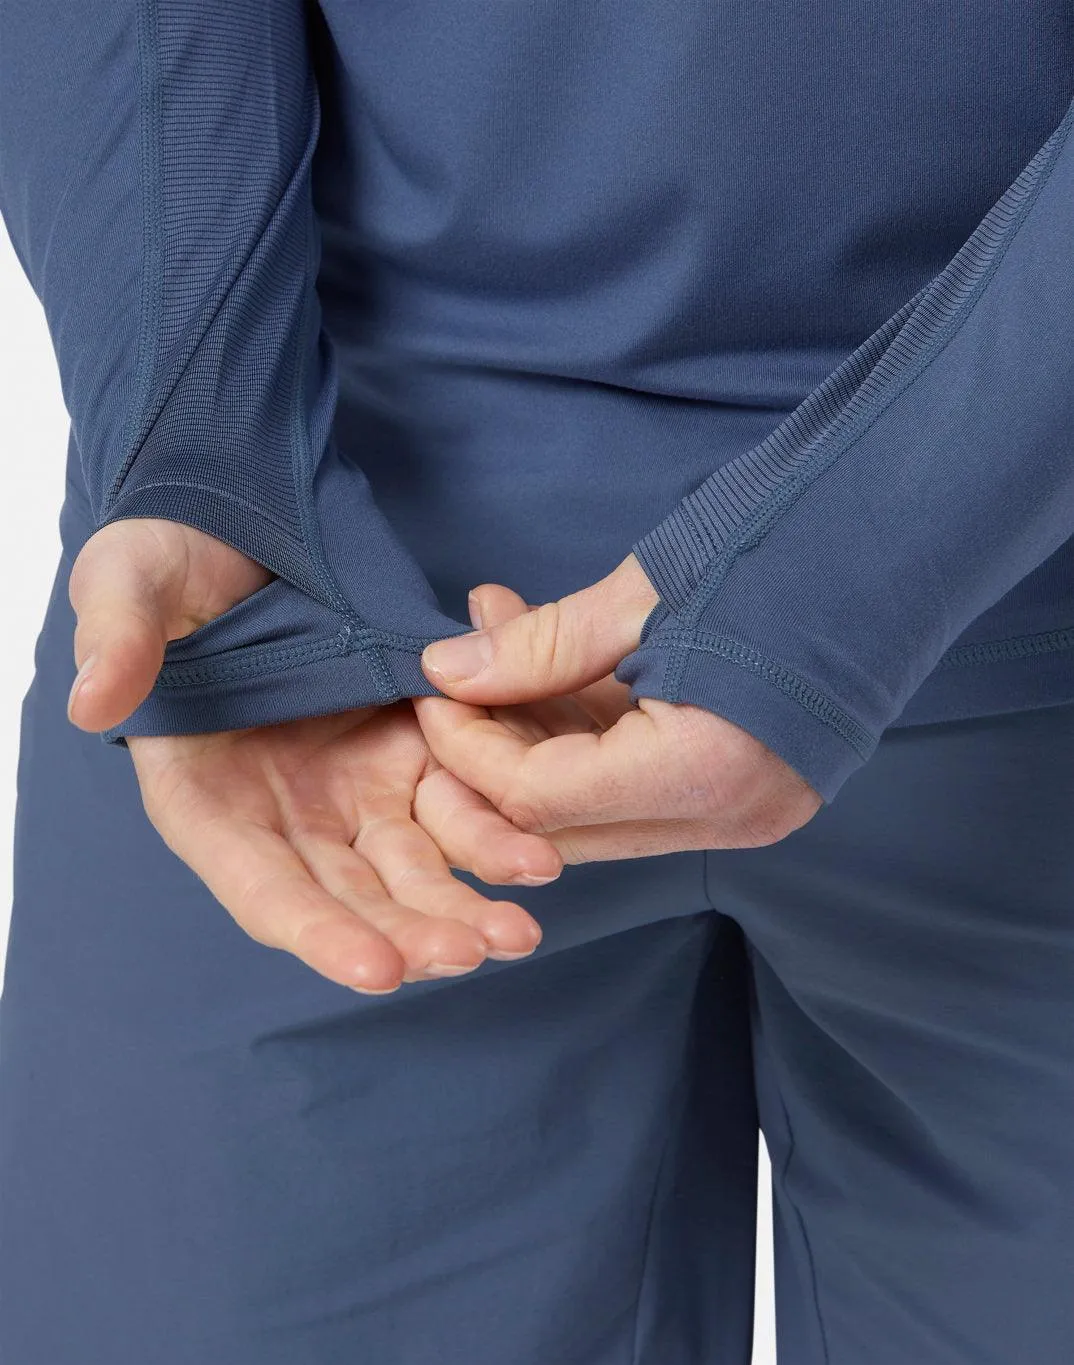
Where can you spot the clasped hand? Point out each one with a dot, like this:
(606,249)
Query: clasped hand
(334,838)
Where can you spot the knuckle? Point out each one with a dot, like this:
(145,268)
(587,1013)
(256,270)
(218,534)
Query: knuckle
(492,864)
(244,909)
(571,850)
(375,826)
(523,812)
(543,636)
(301,940)
(552,646)
(484,869)
(758,832)
(297,943)
(260,935)
(414,876)
(248,900)
(770,821)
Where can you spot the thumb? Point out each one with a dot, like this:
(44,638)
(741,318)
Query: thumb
(550,650)
(120,635)
(135,585)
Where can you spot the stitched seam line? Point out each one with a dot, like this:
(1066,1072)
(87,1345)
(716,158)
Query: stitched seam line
(698,535)
(816,702)
(792,1148)
(1016,647)
(647,1243)
(150,118)
(681,1098)
(276,660)
(389,690)
(225,496)
(301,452)
(249,660)
(805,694)
(150,418)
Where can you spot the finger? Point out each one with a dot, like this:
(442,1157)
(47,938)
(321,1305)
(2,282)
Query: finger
(596,707)
(653,764)
(552,650)
(119,637)
(474,836)
(492,604)
(599,705)
(569,779)
(479,750)
(435,945)
(415,874)
(267,888)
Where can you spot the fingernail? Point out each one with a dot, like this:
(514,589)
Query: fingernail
(461,657)
(368,990)
(474,607)
(80,679)
(447,969)
(533,879)
(509,957)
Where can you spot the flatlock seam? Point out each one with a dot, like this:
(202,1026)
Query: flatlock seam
(784,1177)
(1016,647)
(816,702)
(225,495)
(254,660)
(140,419)
(143,418)
(275,660)
(302,467)
(805,694)
(150,120)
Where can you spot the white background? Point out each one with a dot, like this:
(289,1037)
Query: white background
(33,441)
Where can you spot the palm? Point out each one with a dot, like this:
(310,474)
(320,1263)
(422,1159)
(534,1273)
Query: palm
(308,834)
(332,838)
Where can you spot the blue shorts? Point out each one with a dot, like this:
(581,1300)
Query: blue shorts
(209,1155)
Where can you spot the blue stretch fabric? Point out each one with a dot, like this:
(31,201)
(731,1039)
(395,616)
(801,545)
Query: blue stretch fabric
(391,295)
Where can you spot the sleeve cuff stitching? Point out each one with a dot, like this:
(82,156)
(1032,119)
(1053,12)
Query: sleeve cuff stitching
(262,661)
(810,698)
(116,505)
(253,660)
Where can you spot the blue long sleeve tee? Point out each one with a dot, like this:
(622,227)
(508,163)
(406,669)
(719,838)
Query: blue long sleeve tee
(396,298)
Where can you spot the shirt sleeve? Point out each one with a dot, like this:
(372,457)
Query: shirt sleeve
(155,179)
(809,586)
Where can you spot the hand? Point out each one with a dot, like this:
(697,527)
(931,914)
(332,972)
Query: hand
(601,778)
(332,837)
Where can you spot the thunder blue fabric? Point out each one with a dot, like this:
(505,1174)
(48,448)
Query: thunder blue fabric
(938,462)
(390,294)
(211,1156)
